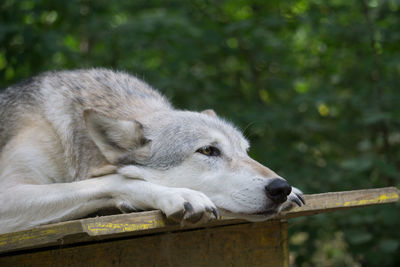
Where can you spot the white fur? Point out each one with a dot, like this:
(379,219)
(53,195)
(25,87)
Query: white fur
(95,139)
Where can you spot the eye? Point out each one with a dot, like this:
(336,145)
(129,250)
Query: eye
(210,151)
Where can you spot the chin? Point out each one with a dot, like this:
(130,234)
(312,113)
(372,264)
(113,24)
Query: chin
(251,217)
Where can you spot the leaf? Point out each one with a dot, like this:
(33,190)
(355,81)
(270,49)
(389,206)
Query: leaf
(389,245)
(387,168)
(357,164)
(375,117)
(356,237)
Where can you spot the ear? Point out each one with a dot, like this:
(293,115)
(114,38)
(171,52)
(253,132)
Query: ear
(114,137)
(209,112)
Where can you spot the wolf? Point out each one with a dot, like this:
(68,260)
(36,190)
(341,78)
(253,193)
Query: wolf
(75,142)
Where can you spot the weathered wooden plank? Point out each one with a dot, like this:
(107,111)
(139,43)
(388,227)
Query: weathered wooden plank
(257,244)
(92,229)
(332,201)
(153,221)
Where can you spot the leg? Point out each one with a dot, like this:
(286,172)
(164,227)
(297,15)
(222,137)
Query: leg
(27,205)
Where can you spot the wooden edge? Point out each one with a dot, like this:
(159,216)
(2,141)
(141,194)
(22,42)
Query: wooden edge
(328,202)
(141,223)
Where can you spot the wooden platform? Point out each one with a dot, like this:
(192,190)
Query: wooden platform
(148,239)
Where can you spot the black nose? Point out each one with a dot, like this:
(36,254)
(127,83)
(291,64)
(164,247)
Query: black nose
(278,190)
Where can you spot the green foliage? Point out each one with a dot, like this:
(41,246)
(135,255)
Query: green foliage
(314,84)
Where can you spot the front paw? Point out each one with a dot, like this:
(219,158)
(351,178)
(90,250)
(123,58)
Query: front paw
(294,198)
(187,206)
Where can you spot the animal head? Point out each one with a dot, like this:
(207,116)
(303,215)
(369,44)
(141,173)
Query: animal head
(192,150)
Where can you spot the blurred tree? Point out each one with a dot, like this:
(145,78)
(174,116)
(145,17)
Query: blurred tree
(314,84)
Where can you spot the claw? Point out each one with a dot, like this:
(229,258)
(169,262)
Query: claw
(188,207)
(215,212)
(297,201)
(301,198)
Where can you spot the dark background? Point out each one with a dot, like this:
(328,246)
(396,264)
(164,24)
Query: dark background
(313,84)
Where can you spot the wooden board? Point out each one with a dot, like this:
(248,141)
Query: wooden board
(259,244)
(143,223)
(333,201)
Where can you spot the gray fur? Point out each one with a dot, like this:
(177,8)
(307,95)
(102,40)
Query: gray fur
(108,93)
(73,142)
(72,92)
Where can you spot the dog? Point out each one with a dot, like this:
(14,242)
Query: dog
(75,142)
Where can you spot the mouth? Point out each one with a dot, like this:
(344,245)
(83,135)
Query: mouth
(266,214)
(252,217)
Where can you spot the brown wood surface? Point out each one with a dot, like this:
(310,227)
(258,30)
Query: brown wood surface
(333,201)
(144,223)
(249,244)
